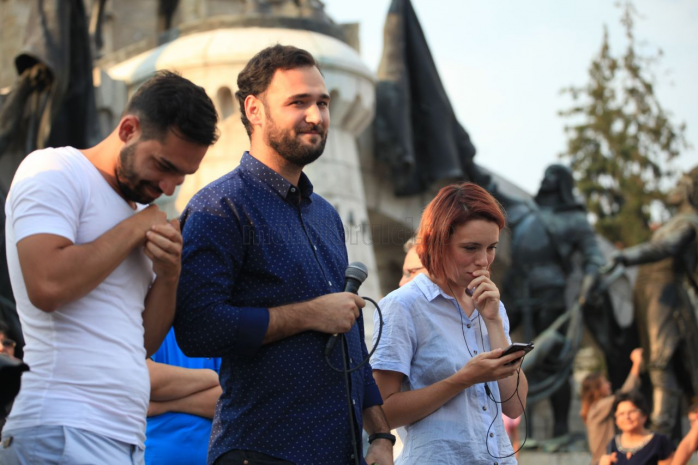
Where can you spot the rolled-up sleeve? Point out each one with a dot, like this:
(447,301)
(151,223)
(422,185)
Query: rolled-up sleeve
(399,337)
(207,324)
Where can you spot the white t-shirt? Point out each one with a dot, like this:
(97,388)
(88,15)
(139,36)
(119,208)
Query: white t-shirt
(87,358)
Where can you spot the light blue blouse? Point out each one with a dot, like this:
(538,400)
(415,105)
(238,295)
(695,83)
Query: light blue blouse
(422,338)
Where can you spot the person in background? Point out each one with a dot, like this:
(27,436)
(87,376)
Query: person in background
(440,364)
(412,265)
(689,444)
(7,345)
(511,426)
(7,349)
(183,396)
(635,444)
(598,402)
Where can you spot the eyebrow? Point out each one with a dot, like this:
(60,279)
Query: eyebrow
(171,166)
(476,243)
(307,95)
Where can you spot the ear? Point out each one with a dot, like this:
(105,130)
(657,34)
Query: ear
(129,128)
(254,109)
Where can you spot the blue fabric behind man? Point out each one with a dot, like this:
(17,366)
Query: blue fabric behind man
(178,438)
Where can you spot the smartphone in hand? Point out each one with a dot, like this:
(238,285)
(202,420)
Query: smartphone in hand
(517,347)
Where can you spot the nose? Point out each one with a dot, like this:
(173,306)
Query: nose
(168,185)
(481,259)
(313,115)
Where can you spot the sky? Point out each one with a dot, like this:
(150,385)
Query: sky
(503,65)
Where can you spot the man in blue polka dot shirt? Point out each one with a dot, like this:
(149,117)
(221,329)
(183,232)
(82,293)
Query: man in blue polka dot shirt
(262,273)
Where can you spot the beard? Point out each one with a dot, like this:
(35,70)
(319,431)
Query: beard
(288,144)
(132,187)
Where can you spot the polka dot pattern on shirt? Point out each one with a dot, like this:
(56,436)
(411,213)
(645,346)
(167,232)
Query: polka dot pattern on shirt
(253,241)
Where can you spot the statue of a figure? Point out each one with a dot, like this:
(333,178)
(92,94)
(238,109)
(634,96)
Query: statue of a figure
(545,234)
(51,104)
(665,305)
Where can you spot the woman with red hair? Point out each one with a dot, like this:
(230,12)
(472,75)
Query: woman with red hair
(439,365)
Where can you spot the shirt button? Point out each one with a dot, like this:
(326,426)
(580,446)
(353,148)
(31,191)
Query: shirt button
(483,408)
(496,463)
(475,352)
(293,189)
(315,247)
(330,282)
(468,325)
(353,401)
(491,435)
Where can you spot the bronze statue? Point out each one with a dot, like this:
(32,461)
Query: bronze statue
(545,234)
(51,104)
(417,134)
(664,299)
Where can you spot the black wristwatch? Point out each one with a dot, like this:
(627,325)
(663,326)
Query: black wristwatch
(387,436)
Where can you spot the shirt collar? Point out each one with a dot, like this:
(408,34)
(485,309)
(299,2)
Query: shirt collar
(275,180)
(430,290)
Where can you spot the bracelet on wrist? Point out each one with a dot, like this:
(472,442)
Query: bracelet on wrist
(388,436)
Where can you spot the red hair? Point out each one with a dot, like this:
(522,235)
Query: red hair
(452,207)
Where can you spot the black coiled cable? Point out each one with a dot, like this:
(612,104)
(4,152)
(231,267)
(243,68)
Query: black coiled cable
(347,371)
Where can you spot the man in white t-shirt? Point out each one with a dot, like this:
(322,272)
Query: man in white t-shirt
(94,272)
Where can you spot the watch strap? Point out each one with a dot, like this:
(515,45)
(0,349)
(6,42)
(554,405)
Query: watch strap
(388,436)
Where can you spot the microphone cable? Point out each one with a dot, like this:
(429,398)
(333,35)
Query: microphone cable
(488,392)
(347,371)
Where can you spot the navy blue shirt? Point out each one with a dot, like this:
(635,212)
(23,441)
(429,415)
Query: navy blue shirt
(253,241)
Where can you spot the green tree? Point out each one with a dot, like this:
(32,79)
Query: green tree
(623,141)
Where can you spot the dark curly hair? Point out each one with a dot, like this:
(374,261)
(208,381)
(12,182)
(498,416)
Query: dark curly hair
(635,398)
(254,79)
(167,101)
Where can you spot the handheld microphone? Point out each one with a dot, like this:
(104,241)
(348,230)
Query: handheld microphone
(355,275)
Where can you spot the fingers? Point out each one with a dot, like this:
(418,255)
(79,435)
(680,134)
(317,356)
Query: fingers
(336,312)
(360,302)
(168,241)
(484,296)
(488,366)
(357,303)
(496,353)
(156,253)
(164,247)
(513,356)
(484,287)
(167,230)
(481,273)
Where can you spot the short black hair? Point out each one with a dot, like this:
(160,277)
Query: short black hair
(4,328)
(254,79)
(169,102)
(634,397)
